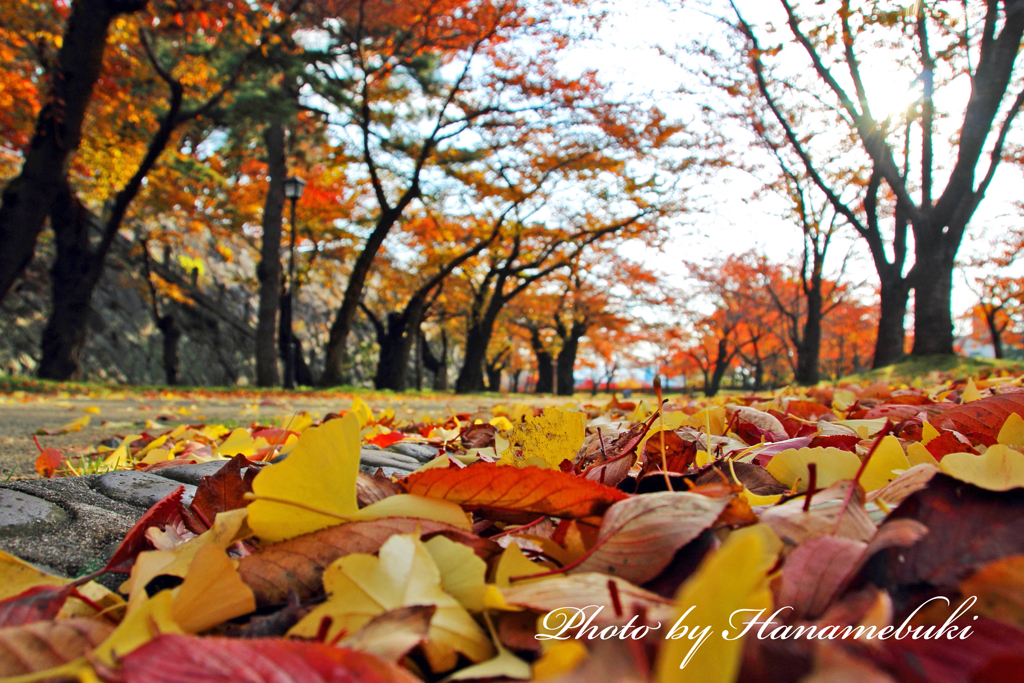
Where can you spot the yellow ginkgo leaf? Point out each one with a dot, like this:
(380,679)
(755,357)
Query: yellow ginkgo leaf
(361,586)
(559,658)
(1012,431)
(17,576)
(149,619)
(462,571)
(501,423)
(361,411)
(228,527)
(120,455)
(299,422)
(314,488)
(1000,468)
(513,563)
(728,589)
(833,464)
(238,443)
(91,409)
(919,455)
(505,665)
(554,436)
(971,392)
(212,592)
(418,507)
(928,432)
(886,463)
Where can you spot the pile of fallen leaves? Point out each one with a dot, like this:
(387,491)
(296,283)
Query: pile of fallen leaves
(617,542)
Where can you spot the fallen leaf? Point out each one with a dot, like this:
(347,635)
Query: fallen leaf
(17,576)
(729,588)
(462,572)
(370,490)
(582,591)
(489,486)
(833,464)
(225,490)
(46,645)
(815,571)
(982,419)
(886,463)
(163,512)
(298,564)
(1000,468)
(385,440)
(360,587)
(968,528)
(212,592)
(38,603)
(176,658)
(659,523)
(314,488)
(75,425)
(552,437)
(390,636)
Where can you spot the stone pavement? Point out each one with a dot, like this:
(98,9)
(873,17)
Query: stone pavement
(71,526)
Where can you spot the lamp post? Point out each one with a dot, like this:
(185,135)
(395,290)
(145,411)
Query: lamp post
(292,190)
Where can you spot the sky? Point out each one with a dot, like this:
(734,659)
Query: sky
(629,57)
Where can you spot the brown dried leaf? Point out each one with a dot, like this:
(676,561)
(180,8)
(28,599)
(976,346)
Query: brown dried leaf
(298,563)
(640,535)
(48,644)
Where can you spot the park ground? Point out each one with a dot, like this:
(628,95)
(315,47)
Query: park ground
(28,406)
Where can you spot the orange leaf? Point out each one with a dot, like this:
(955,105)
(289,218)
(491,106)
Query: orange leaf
(385,440)
(527,489)
(807,410)
(48,461)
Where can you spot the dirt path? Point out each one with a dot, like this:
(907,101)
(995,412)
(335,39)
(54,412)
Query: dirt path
(23,416)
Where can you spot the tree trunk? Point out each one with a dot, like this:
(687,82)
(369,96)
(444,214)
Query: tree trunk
(809,349)
(58,132)
(437,366)
(334,353)
(567,359)
(303,373)
(269,269)
(392,339)
(933,319)
(73,277)
(471,374)
(891,337)
(994,330)
(721,365)
(545,371)
(494,379)
(168,327)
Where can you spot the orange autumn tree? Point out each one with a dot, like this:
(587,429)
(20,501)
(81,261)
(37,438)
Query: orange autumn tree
(103,126)
(997,314)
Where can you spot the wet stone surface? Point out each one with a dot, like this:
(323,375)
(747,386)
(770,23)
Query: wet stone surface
(21,512)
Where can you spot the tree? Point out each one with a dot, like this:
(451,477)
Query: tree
(380,69)
(163,45)
(29,197)
(943,48)
(999,308)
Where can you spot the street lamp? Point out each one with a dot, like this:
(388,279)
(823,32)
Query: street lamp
(292,190)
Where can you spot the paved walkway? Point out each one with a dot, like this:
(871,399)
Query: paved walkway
(70,526)
(20,420)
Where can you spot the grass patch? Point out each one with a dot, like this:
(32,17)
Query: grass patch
(960,366)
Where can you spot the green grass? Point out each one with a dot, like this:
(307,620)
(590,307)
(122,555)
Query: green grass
(960,366)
